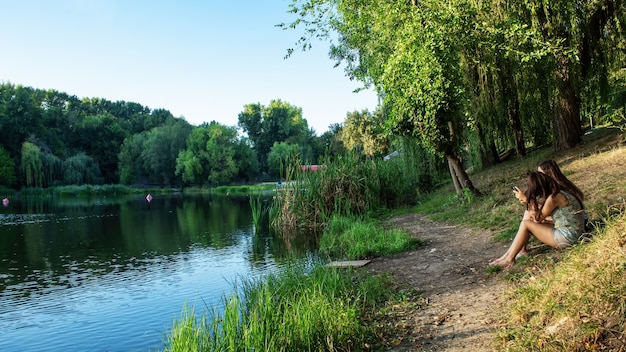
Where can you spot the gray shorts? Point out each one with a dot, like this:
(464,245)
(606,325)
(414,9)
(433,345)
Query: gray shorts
(560,239)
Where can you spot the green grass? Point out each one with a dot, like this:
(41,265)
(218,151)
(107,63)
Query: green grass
(352,238)
(244,189)
(293,310)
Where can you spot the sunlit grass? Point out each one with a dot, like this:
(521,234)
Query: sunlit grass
(352,238)
(294,310)
(576,304)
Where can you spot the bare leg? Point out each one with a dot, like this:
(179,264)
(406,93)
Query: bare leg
(528,214)
(543,232)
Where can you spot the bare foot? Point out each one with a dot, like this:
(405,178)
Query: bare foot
(501,263)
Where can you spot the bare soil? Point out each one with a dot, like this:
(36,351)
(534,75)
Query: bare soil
(455,302)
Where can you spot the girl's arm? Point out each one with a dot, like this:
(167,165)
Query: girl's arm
(551,203)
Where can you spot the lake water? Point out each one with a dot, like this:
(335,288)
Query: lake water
(113,274)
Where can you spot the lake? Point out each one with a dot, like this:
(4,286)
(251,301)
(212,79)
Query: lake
(112,274)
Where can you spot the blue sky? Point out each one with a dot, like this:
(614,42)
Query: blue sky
(201,60)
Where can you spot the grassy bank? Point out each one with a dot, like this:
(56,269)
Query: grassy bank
(298,309)
(577,304)
(572,300)
(301,308)
(352,238)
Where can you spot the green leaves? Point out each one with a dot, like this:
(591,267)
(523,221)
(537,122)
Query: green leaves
(210,155)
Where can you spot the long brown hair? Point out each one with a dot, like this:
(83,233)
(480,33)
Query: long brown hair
(552,169)
(540,187)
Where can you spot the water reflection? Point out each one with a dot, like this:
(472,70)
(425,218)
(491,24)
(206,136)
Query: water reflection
(111,274)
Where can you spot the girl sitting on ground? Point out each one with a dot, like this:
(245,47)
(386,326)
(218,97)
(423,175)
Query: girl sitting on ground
(552,169)
(550,201)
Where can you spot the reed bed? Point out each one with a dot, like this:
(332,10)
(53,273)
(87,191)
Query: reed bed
(352,186)
(298,309)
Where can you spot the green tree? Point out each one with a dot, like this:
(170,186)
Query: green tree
(246,160)
(20,117)
(52,167)
(32,165)
(81,169)
(410,52)
(363,132)
(131,166)
(280,155)
(101,137)
(209,156)
(278,122)
(160,150)
(189,167)
(7,169)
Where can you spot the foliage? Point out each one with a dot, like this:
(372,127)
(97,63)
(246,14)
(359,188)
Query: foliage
(280,155)
(363,133)
(278,122)
(297,309)
(131,144)
(209,156)
(7,169)
(31,165)
(149,157)
(246,160)
(349,238)
(482,75)
(348,185)
(101,136)
(81,169)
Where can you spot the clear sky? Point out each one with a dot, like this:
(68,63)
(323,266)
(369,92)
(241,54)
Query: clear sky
(200,59)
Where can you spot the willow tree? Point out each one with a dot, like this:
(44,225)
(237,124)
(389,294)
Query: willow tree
(410,52)
(32,165)
(571,37)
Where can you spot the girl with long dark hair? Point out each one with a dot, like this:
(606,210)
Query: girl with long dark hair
(546,199)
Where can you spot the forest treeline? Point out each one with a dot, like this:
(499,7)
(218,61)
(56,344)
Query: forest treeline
(51,138)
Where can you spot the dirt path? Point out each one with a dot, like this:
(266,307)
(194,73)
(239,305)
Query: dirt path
(456,301)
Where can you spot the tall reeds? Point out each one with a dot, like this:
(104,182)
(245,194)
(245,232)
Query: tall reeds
(258,210)
(350,185)
(298,309)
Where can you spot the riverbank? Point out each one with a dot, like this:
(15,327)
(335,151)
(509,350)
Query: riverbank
(453,301)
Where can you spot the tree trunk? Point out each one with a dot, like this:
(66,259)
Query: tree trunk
(455,180)
(509,93)
(566,115)
(458,173)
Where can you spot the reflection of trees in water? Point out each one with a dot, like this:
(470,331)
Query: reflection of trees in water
(80,240)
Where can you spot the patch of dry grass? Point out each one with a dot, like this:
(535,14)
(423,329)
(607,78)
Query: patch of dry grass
(579,304)
(575,300)
(602,177)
